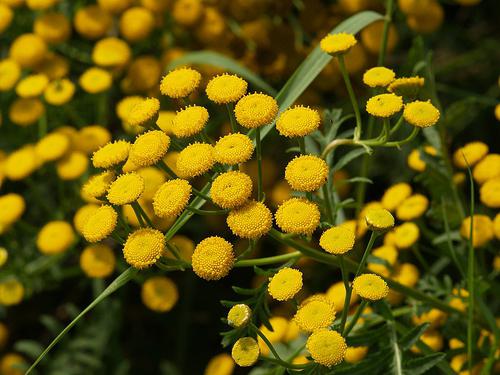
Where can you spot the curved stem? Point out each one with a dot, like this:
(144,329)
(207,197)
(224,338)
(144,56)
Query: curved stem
(334,144)
(361,264)
(268,260)
(258,148)
(355,318)
(230,112)
(397,126)
(352,96)
(328,203)
(348,292)
(404,141)
(207,212)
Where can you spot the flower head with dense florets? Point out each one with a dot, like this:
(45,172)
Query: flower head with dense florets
(384,105)
(195,159)
(298,216)
(149,147)
(171,198)
(327,348)
(306,173)
(233,149)
(180,83)
(298,121)
(213,258)
(256,110)
(337,240)
(252,220)
(285,284)
(189,121)
(100,224)
(144,247)
(340,43)
(226,88)
(421,114)
(371,287)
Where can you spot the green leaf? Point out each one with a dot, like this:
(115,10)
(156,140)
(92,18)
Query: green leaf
(421,365)
(347,158)
(396,366)
(224,62)
(117,283)
(412,336)
(29,347)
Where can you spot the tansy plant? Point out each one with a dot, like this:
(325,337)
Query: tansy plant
(177,195)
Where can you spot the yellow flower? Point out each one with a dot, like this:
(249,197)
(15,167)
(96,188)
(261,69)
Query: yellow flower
(52,147)
(337,240)
(395,195)
(252,220)
(11,292)
(97,261)
(406,235)
(195,159)
(406,86)
(111,154)
(159,293)
(354,354)
(233,149)
(144,247)
(166,121)
(32,85)
(432,339)
(298,216)
(414,160)
(496,111)
(28,50)
(180,83)
(125,106)
(435,317)
(21,163)
(226,88)
(221,364)
(10,71)
(213,258)
(388,254)
(12,207)
(98,184)
(335,44)
(111,52)
(89,138)
(298,121)
(371,37)
(327,348)
(306,173)
(92,22)
(279,327)
(40,4)
(315,313)
(114,6)
(421,114)
(255,110)
(482,231)
(6,16)
(496,226)
(189,121)
(231,189)
(59,92)
(171,198)
(144,113)
(127,188)
(378,77)
(470,154)
(4,256)
(100,224)
(336,294)
(412,207)
(379,219)
(285,284)
(53,27)
(95,80)
(55,237)
(370,287)
(184,245)
(136,23)
(54,66)
(384,105)
(153,179)
(487,168)
(149,147)
(245,351)
(239,315)
(25,112)
(72,166)
(82,215)
(490,193)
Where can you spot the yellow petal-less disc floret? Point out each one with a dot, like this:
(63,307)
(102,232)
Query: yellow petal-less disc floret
(239,315)
(384,105)
(32,85)
(379,219)
(100,224)
(298,121)
(298,216)
(482,231)
(97,261)
(137,23)
(10,71)
(180,83)
(144,113)
(252,220)
(52,146)
(82,215)
(231,189)
(339,43)
(406,235)
(72,166)
(255,110)
(26,111)
(59,92)
(11,293)
(144,247)
(406,86)
(470,154)
(226,88)
(306,173)
(55,237)
(371,287)
(213,258)
(245,351)
(189,121)
(21,163)
(315,313)
(395,195)
(12,207)
(327,348)
(233,149)
(28,50)
(378,76)
(221,364)
(285,284)
(171,198)
(489,193)
(95,80)
(149,147)
(6,16)
(111,52)
(159,293)
(127,188)
(111,154)
(195,159)
(412,207)
(487,168)
(337,240)
(388,254)
(98,184)
(421,114)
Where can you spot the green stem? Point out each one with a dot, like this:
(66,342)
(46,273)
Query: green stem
(361,265)
(385,32)
(412,135)
(420,258)
(42,125)
(207,212)
(352,97)
(167,169)
(230,111)
(397,126)
(269,260)
(355,317)
(451,249)
(302,145)
(328,203)
(470,277)
(138,214)
(348,292)
(259,163)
